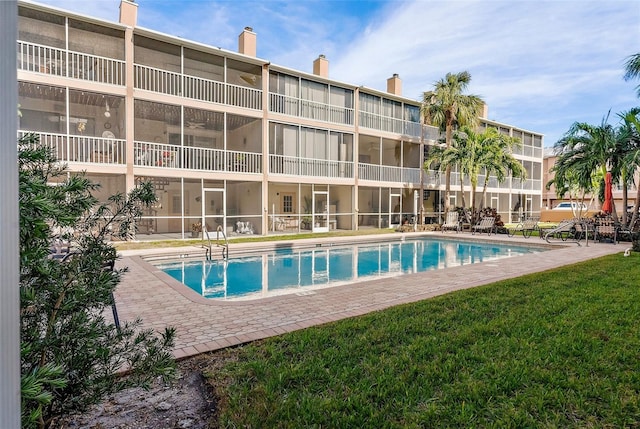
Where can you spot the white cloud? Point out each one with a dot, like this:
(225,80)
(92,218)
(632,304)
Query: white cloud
(535,63)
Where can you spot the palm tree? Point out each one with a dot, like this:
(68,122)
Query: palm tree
(632,69)
(471,152)
(498,159)
(626,142)
(446,158)
(585,152)
(630,136)
(447,107)
(471,147)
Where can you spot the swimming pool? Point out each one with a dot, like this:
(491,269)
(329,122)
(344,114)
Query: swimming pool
(302,270)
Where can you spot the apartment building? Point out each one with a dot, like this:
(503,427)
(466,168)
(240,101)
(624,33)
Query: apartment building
(230,140)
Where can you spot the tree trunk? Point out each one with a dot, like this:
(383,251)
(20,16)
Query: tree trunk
(447,188)
(448,132)
(463,200)
(484,191)
(474,186)
(634,216)
(625,196)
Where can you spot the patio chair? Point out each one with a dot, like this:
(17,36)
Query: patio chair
(276,224)
(627,231)
(526,227)
(606,229)
(59,249)
(487,224)
(584,228)
(451,222)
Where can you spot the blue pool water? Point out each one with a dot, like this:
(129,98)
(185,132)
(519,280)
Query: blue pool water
(287,271)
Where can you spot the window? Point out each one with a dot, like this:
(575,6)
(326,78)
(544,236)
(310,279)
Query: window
(176,204)
(412,113)
(287,203)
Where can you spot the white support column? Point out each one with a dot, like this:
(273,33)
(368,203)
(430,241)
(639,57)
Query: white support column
(9,239)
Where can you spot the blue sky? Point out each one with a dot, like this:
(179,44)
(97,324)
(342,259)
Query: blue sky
(539,65)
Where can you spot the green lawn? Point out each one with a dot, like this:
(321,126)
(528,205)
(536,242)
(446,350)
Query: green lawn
(554,349)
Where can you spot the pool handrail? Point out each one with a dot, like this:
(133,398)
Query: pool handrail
(225,247)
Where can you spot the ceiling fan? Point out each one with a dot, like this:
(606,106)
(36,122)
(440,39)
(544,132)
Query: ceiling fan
(195,125)
(250,79)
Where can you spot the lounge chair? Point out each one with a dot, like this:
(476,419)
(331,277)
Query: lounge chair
(564,230)
(451,222)
(487,224)
(526,227)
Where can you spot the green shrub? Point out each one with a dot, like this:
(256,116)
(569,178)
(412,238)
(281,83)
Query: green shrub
(71,354)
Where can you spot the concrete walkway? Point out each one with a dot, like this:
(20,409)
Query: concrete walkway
(204,325)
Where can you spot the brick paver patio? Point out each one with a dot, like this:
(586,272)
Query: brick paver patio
(203,325)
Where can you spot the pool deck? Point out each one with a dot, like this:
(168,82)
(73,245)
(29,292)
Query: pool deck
(204,325)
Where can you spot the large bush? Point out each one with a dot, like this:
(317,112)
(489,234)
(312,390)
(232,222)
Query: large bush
(72,353)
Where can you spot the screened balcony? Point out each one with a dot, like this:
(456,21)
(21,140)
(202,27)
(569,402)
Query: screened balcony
(83,149)
(37,58)
(295,106)
(295,166)
(386,173)
(172,83)
(379,122)
(148,154)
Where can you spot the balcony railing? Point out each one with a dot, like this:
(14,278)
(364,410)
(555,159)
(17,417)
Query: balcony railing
(148,154)
(166,82)
(527,185)
(385,173)
(242,96)
(431,133)
(433,178)
(72,148)
(204,89)
(96,69)
(59,62)
(383,123)
(156,80)
(279,164)
(398,126)
(284,104)
(410,175)
(529,151)
(293,106)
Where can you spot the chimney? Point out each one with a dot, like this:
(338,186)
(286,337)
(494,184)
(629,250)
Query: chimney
(128,13)
(247,42)
(394,85)
(321,66)
(485,111)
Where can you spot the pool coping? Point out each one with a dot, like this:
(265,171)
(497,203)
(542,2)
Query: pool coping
(194,296)
(205,325)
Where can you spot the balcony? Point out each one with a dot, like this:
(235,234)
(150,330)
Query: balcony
(398,126)
(158,155)
(527,185)
(293,106)
(387,173)
(294,166)
(37,58)
(528,151)
(84,149)
(172,83)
